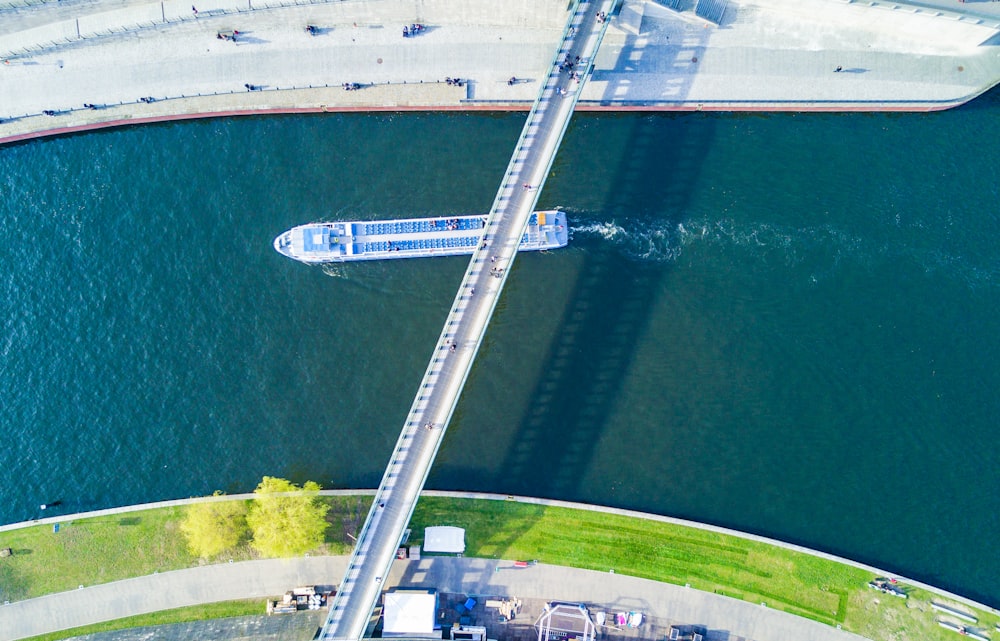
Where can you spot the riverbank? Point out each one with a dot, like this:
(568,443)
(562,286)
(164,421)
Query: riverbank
(148,62)
(710,560)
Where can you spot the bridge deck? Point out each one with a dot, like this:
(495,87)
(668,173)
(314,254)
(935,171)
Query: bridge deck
(466,324)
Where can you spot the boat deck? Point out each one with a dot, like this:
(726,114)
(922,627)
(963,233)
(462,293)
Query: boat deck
(410,238)
(420,226)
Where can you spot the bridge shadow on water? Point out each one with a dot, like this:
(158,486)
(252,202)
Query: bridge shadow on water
(608,313)
(556,432)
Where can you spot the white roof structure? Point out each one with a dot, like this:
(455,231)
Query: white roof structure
(444,538)
(565,621)
(409,613)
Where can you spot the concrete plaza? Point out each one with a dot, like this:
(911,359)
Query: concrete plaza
(763,55)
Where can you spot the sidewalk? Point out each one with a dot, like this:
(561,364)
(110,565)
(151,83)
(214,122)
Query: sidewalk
(225,582)
(766,54)
(485,496)
(259,579)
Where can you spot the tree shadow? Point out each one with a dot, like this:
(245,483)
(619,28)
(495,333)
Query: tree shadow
(345,518)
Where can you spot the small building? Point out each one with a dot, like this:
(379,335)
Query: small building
(446,539)
(409,612)
(468,633)
(565,621)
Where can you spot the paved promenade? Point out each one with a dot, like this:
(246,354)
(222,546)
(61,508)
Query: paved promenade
(225,582)
(766,54)
(259,579)
(484,496)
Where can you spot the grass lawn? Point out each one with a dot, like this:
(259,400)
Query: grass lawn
(89,551)
(793,582)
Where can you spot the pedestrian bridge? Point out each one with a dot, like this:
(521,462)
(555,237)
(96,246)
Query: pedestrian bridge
(467,321)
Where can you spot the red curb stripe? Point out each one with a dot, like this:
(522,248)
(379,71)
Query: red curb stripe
(509,107)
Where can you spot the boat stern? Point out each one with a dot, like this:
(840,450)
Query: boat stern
(550,230)
(560,228)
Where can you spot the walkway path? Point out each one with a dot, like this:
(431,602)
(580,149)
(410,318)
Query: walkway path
(466,325)
(769,54)
(259,579)
(164,591)
(485,496)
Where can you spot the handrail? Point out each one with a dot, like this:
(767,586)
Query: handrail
(466,324)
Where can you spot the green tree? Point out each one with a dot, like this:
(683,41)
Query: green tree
(213,527)
(287,520)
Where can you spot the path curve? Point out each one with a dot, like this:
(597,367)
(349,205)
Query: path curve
(259,579)
(930,55)
(12,613)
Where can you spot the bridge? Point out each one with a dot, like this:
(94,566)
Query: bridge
(466,324)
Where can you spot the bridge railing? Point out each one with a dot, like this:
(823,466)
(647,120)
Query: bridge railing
(510,212)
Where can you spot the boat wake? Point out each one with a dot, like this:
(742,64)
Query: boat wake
(335,270)
(816,251)
(821,248)
(638,240)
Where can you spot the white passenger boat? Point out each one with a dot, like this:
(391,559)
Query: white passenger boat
(337,242)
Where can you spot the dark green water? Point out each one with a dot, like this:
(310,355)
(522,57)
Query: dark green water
(785,324)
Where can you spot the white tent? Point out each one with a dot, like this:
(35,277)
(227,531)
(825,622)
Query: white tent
(444,538)
(409,613)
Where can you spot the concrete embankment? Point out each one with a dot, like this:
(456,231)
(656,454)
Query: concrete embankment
(763,55)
